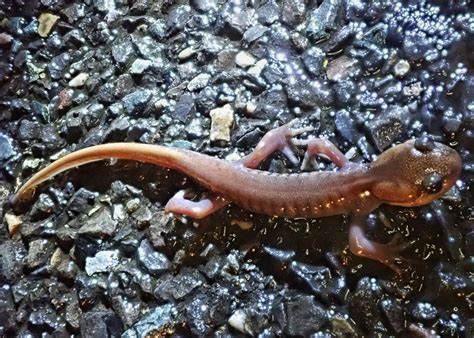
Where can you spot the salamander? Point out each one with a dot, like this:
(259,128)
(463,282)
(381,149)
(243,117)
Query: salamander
(409,174)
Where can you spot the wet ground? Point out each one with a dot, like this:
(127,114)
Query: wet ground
(93,253)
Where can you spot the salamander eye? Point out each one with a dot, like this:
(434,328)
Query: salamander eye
(433,183)
(424,144)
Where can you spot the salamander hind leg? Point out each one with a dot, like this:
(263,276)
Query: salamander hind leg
(280,139)
(388,254)
(179,204)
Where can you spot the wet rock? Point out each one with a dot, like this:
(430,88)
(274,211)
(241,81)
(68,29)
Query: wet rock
(395,314)
(254,33)
(313,59)
(446,281)
(221,123)
(160,317)
(177,18)
(345,92)
(309,95)
(320,281)
(139,66)
(28,130)
(175,288)
(6,148)
(46,318)
(81,201)
(322,19)
(100,224)
(43,207)
(234,19)
(184,107)
(199,82)
(209,311)
(123,52)
(39,253)
(155,262)
(58,64)
(300,315)
(63,265)
(363,305)
(128,309)
(268,13)
(293,12)
(123,85)
(341,68)
(102,323)
(389,127)
(12,259)
(103,261)
(134,103)
(7,310)
(46,23)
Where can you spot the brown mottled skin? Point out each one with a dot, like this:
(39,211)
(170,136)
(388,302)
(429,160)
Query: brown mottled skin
(395,177)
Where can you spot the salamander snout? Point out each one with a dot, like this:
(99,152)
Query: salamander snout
(416,172)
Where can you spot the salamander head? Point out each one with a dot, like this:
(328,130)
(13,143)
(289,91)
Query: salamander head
(416,172)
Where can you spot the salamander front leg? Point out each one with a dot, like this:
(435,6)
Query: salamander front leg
(319,146)
(388,254)
(179,204)
(280,139)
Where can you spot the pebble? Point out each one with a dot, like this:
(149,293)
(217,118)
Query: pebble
(154,262)
(199,82)
(222,120)
(79,80)
(103,261)
(244,59)
(401,68)
(46,23)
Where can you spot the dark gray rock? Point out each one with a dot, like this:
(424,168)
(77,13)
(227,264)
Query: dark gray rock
(395,314)
(320,281)
(128,309)
(58,64)
(39,253)
(268,13)
(313,59)
(103,261)
(7,311)
(12,256)
(6,148)
(271,103)
(28,130)
(81,201)
(174,288)
(46,317)
(100,224)
(309,95)
(160,317)
(233,20)
(43,207)
(103,323)
(123,52)
(322,19)
(177,18)
(134,103)
(346,127)
(363,305)
(155,262)
(301,315)
(293,12)
(389,127)
(184,107)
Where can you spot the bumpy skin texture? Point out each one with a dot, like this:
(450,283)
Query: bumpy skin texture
(409,174)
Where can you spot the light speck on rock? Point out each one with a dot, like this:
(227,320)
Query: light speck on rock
(46,23)
(103,261)
(222,120)
(238,321)
(199,82)
(401,68)
(186,53)
(244,59)
(79,80)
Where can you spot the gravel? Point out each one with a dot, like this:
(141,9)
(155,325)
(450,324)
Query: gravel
(94,254)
